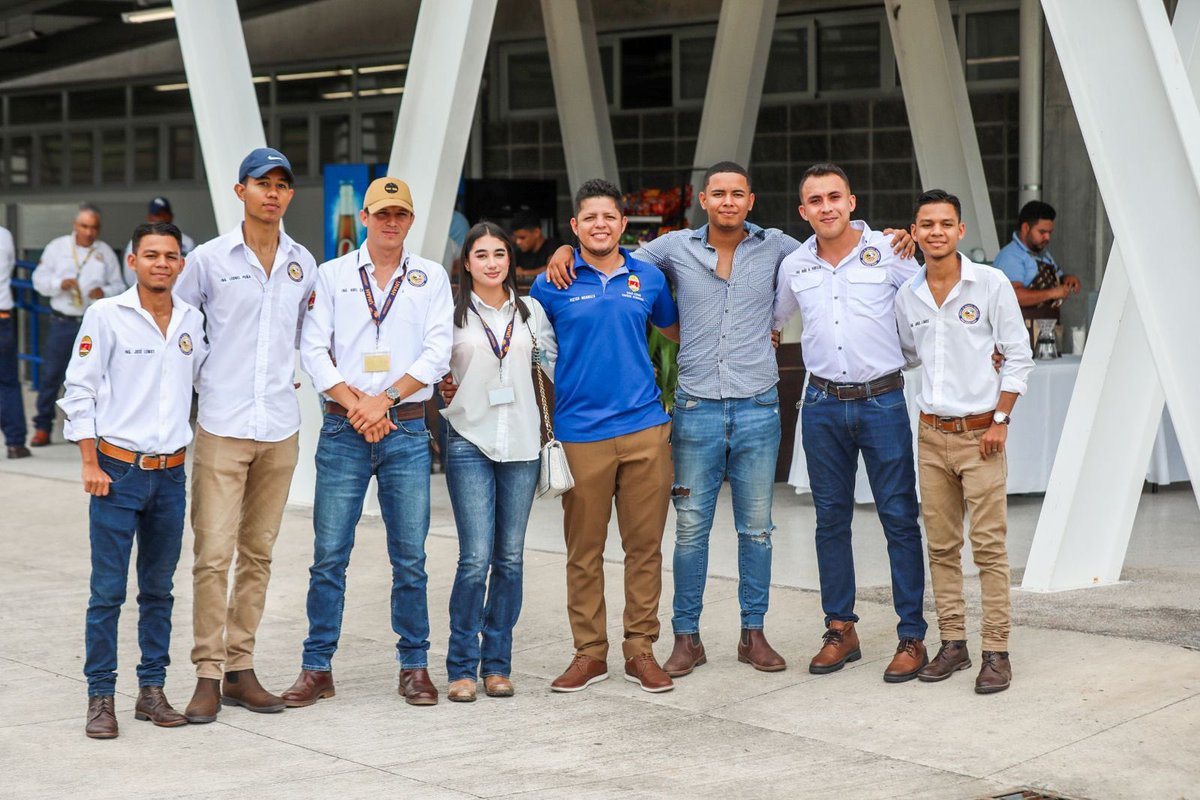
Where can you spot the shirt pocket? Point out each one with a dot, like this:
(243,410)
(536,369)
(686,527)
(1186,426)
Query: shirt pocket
(807,287)
(871,293)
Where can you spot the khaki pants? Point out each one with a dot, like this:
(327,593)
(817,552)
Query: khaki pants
(636,469)
(953,472)
(239,489)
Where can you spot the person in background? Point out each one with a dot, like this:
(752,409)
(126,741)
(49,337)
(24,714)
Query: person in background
(1041,285)
(159,210)
(535,249)
(12,402)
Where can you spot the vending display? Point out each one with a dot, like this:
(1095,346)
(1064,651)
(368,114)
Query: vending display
(652,212)
(345,186)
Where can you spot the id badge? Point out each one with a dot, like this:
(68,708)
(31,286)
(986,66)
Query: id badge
(379,361)
(499,394)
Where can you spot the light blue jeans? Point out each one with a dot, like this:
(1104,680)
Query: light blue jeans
(712,440)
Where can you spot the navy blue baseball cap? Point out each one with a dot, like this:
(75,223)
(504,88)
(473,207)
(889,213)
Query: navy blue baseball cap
(160,205)
(261,161)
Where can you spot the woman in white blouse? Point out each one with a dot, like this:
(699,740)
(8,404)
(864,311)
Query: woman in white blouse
(494,440)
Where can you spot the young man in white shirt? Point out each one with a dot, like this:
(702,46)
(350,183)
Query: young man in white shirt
(952,315)
(253,285)
(74,271)
(129,395)
(376,339)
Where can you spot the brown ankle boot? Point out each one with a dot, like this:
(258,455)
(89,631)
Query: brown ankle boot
(950,658)
(755,650)
(687,655)
(101,718)
(840,644)
(996,673)
(910,658)
(205,703)
(241,688)
(152,705)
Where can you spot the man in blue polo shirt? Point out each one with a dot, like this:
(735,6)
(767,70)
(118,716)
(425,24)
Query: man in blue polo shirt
(614,430)
(1039,281)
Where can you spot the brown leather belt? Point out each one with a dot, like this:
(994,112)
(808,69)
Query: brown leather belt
(146,461)
(859,391)
(974,422)
(401,412)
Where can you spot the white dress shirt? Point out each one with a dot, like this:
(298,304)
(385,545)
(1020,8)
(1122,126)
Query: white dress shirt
(129,384)
(509,431)
(253,323)
(8,260)
(954,343)
(416,333)
(93,267)
(187,245)
(848,309)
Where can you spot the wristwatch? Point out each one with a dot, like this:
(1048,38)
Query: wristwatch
(1000,418)
(393,394)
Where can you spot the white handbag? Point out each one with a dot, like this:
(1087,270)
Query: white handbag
(554,478)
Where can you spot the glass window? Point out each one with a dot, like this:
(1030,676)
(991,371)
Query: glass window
(695,58)
(646,72)
(145,154)
(112,156)
(787,64)
(378,130)
(164,98)
(993,46)
(529,83)
(293,142)
(83,158)
(50,159)
(97,104)
(318,86)
(35,108)
(20,160)
(333,141)
(181,150)
(383,79)
(848,57)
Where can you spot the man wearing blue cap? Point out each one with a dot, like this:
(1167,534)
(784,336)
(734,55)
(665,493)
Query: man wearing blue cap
(253,284)
(158,211)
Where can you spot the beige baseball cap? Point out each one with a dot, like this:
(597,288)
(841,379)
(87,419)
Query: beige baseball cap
(384,192)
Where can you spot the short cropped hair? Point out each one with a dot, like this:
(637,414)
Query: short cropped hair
(598,187)
(727,166)
(88,208)
(1034,211)
(932,196)
(820,171)
(155,229)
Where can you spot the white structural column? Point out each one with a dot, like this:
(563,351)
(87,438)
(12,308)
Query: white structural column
(735,84)
(228,120)
(440,96)
(1029,162)
(939,113)
(579,91)
(1092,498)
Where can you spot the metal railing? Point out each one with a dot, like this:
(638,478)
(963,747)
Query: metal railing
(29,301)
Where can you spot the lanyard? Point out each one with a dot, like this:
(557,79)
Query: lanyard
(75,257)
(379,315)
(499,348)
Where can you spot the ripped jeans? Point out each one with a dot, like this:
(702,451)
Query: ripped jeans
(736,438)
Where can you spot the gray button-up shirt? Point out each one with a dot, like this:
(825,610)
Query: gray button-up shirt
(724,326)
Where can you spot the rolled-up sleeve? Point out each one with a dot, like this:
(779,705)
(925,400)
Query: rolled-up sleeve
(1012,338)
(434,362)
(316,337)
(85,376)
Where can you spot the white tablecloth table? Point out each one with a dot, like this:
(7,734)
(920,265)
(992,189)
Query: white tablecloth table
(1032,439)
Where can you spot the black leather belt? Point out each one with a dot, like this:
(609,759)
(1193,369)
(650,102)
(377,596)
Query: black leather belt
(60,315)
(401,412)
(859,391)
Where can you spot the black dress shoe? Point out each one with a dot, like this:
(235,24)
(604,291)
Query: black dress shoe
(20,451)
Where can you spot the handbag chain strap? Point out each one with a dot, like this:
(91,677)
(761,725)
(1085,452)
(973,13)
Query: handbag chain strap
(541,382)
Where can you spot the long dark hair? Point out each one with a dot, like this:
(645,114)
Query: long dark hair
(462,301)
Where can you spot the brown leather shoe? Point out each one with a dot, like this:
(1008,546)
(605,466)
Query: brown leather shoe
(20,451)
(101,718)
(152,705)
(416,687)
(311,685)
(205,703)
(462,691)
(840,645)
(643,670)
(498,686)
(582,672)
(40,439)
(241,688)
(996,673)
(687,655)
(951,657)
(755,650)
(910,658)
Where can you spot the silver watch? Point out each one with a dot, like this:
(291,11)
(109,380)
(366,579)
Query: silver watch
(1000,418)
(393,394)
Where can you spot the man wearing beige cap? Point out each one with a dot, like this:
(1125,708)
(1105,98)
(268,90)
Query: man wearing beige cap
(375,340)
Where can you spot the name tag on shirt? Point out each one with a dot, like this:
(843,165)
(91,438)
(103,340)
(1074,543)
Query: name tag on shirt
(379,361)
(499,394)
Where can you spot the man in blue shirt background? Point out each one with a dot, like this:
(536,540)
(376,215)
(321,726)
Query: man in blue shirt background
(1040,283)
(609,416)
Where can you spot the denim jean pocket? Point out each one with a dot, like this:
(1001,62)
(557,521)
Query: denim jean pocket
(812,396)
(889,400)
(685,402)
(413,427)
(116,471)
(176,474)
(332,425)
(768,398)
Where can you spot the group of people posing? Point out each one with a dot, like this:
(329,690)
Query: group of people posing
(380,329)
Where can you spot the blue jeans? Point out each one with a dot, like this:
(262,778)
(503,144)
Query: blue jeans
(712,439)
(345,464)
(148,505)
(56,354)
(12,404)
(491,502)
(835,431)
